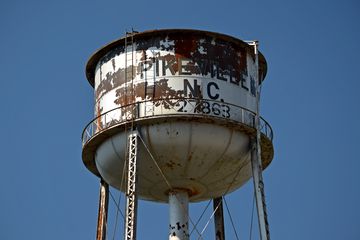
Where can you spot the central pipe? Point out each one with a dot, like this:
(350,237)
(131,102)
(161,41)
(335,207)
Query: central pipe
(179,215)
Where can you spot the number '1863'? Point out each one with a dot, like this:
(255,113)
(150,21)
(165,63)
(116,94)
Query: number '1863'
(205,107)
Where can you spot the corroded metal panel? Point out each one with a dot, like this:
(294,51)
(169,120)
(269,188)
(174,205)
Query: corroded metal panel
(176,66)
(192,94)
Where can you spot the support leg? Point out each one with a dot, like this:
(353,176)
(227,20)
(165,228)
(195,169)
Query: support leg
(219,219)
(103,211)
(256,164)
(131,196)
(179,215)
(259,192)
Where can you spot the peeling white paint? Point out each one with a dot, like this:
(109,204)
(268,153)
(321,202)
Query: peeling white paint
(196,156)
(167,43)
(202,50)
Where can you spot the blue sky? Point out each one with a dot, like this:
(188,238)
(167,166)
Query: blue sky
(310,97)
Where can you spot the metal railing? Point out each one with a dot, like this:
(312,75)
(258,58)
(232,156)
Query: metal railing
(173,107)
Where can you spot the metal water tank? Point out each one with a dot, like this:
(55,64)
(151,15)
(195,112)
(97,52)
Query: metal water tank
(191,95)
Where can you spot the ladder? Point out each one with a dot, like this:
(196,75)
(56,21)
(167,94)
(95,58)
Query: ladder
(150,80)
(256,158)
(131,191)
(129,69)
(132,141)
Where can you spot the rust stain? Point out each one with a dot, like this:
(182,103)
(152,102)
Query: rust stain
(171,165)
(98,113)
(192,191)
(114,80)
(193,55)
(185,46)
(144,91)
(189,158)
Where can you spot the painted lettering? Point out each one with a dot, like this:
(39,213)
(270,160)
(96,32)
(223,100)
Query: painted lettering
(168,64)
(219,73)
(194,91)
(252,86)
(182,64)
(210,93)
(202,66)
(233,78)
(178,65)
(144,67)
(243,83)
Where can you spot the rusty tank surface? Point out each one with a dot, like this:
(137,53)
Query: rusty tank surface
(191,96)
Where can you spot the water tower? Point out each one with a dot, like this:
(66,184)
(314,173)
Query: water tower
(176,121)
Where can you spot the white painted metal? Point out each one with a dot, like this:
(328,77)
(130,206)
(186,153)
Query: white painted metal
(203,158)
(217,88)
(201,155)
(179,215)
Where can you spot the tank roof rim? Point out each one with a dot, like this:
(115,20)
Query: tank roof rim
(100,52)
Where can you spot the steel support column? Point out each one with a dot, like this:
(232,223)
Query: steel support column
(259,194)
(219,218)
(103,211)
(179,215)
(256,163)
(131,196)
